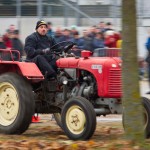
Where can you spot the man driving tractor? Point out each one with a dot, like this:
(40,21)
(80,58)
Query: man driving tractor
(37,48)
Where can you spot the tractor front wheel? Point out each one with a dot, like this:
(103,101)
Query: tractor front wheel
(78,118)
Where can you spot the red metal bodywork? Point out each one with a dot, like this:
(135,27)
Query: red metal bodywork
(106,70)
(26,69)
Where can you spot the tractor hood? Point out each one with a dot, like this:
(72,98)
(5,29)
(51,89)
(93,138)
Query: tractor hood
(88,63)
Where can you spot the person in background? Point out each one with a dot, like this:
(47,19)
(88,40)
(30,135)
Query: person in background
(87,41)
(108,26)
(66,36)
(98,45)
(17,44)
(4,55)
(2,44)
(102,26)
(73,30)
(147,44)
(92,32)
(98,41)
(8,39)
(58,34)
(79,44)
(12,28)
(109,39)
(50,32)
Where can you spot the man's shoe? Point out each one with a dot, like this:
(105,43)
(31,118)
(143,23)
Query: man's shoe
(148,92)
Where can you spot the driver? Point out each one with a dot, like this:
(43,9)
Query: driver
(37,48)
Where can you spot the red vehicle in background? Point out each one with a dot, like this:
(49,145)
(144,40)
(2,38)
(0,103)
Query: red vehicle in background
(86,87)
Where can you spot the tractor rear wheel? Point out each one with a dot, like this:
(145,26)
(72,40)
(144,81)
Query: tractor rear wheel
(78,118)
(16,104)
(146,115)
(146,105)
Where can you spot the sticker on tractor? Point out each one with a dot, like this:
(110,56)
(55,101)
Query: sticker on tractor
(98,67)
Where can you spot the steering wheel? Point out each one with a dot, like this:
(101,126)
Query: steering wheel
(63,46)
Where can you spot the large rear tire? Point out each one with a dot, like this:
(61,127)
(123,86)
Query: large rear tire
(16,104)
(146,113)
(78,118)
(146,105)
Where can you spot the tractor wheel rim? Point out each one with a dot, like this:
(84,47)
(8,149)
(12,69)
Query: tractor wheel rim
(9,104)
(75,119)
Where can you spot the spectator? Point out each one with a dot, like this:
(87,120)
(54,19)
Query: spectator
(110,40)
(79,44)
(12,28)
(50,32)
(98,45)
(108,26)
(98,41)
(73,30)
(8,39)
(58,34)
(119,41)
(148,59)
(87,41)
(102,26)
(92,32)
(66,36)
(17,44)
(2,44)
(4,55)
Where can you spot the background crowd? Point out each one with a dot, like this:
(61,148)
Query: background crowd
(102,35)
(98,36)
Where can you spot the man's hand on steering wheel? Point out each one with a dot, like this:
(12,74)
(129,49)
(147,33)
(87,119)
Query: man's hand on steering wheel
(46,51)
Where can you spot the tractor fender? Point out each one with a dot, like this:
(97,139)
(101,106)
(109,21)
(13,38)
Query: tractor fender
(27,69)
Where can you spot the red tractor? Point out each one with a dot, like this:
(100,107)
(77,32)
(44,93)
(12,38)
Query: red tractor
(86,87)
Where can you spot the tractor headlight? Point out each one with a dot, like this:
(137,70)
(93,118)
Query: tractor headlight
(114,65)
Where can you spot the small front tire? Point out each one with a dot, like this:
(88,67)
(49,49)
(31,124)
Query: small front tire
(78,119)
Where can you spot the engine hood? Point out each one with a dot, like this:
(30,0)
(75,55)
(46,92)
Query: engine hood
(87,63)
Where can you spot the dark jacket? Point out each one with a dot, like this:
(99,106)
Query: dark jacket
(2,45)
(88,43)
(35,43)
(98,43)
(79,46)
(17,45)
(4,55)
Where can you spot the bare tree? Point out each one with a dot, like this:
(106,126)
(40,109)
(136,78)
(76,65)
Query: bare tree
(133,112)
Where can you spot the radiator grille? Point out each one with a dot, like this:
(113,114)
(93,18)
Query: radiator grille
(114,82)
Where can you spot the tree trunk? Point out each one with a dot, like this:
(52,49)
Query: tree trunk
(132,104)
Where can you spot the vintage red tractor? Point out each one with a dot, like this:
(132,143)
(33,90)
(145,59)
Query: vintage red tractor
(86,87)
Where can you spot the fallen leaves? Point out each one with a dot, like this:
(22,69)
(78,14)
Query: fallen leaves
(48,136)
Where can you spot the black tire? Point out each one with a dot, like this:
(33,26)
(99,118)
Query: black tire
(17,109)
(57,117)
(146,104)
(82,110)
